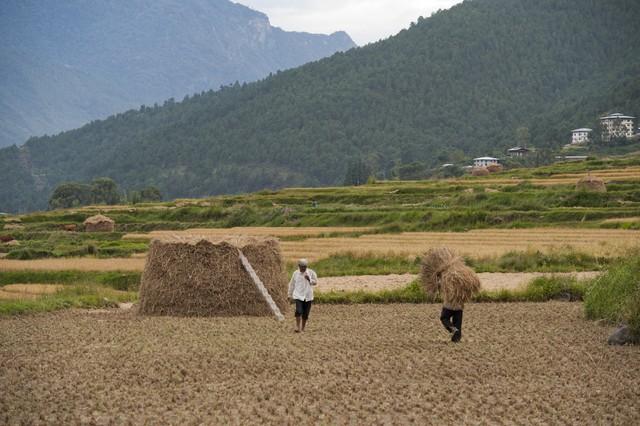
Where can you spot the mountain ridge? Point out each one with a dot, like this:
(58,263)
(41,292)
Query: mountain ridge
(67,63)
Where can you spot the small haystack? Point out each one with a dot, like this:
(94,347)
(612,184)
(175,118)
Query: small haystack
(494,168)
(203,277)
(591,184)
(99,223)
(480,171)
(445,273)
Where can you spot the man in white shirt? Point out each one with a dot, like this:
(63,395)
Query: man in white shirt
(301,291)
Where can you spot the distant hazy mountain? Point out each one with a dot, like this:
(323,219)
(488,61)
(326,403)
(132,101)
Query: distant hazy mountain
(64,63)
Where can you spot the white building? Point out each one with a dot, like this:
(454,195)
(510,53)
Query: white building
(485,161)
(616,126)
(580,136)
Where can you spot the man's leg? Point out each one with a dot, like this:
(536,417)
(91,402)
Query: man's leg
(299,311)
(457,323)
(305,314)
(445,319)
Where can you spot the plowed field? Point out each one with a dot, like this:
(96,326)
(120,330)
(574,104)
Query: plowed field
(517,363)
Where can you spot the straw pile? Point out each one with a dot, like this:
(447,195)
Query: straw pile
(99,223)
(480,171)
(494,168)
(446,274)
(592,184)
(204,277)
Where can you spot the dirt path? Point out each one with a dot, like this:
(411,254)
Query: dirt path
(518,363)
(490,281)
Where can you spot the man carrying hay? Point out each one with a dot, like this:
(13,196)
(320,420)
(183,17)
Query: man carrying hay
(301,291)
(445,273)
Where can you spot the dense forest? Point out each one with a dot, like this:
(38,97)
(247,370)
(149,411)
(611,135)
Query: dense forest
(454,85)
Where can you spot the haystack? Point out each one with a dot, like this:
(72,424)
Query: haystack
(99,223)
(591,184)
(480,171)
(205,277)
(494,168)
(446,274)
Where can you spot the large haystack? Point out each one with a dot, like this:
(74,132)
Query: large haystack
(446,274)
(591,184)
(201,277)
(99,223)
(480,171)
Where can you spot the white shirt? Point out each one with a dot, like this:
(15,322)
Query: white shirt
(300,288)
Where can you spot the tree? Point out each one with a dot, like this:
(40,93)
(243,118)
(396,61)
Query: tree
(70,194)
(523,136)
(105,191)
(452,171)
(357,173)
(150,194)
(412,171)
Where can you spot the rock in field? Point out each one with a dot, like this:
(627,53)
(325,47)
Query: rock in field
(623,336)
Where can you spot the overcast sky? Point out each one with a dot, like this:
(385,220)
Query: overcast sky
(366,21)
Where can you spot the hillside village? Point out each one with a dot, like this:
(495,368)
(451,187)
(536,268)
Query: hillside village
(614,128)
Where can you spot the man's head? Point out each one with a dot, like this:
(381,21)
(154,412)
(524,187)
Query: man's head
(302,264)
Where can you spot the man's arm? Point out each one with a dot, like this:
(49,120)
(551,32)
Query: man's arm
(313,278)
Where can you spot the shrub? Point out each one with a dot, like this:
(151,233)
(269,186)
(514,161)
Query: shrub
(615,295)
(29,254)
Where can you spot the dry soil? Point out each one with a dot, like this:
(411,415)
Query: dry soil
(517,364)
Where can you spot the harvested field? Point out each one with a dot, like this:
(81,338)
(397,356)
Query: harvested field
(490,281)
(73,264)
(27,291)
(361,364)
(254,231)
(476,243)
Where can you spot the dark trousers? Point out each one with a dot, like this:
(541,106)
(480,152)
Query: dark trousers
(303,308)
(452,318)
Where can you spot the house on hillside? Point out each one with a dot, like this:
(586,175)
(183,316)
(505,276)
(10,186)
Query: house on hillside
(485,161)
(616,126)
(580,136)
(518,152)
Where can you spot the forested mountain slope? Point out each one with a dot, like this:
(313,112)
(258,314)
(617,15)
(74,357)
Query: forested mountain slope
(461,80)
(64,63)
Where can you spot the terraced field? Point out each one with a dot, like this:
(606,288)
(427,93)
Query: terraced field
(476,243)
(517,364)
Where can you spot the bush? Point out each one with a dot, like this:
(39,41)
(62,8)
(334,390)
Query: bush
(29,254)
(615,295)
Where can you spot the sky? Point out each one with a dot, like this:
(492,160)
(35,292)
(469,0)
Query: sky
(365,21)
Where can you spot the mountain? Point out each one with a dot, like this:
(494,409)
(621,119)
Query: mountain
(457,83)
(65,63)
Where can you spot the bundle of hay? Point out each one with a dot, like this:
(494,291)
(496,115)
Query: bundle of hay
(494,168)
(591,184)
(480,171)
(203,277)
(99,223)
(446,274)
